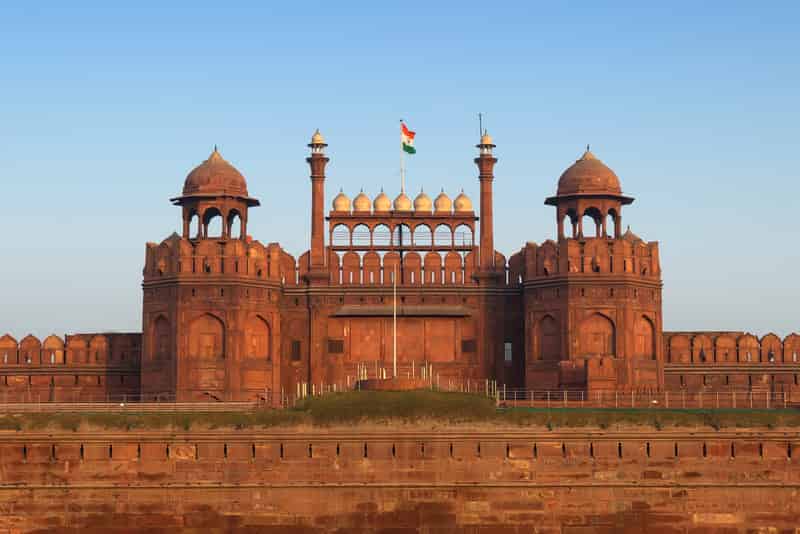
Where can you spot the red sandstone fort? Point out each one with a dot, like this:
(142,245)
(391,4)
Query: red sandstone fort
(226,317)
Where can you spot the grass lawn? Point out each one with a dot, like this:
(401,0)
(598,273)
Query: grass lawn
(422,407)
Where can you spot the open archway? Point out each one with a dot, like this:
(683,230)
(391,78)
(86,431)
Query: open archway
(212,223)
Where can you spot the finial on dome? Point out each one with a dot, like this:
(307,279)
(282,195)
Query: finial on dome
(215,155)
(587,155)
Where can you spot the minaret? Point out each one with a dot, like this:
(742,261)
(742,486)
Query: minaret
(485,162)
(317,161)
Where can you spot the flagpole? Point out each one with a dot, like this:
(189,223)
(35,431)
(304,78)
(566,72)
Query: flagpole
(394,322)
(402,161)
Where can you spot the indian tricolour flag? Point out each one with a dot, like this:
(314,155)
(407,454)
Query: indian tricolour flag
(407,139)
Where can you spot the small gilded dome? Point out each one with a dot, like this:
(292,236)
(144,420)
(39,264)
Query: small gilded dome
(486,139)
(463,203)
(215,176)
(361,203)
(588,175)
(423,203)
(317,138)
(443,204)
(382,202)
(341,202)
(402,202)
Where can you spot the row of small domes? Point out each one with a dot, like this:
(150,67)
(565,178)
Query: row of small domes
(422,203)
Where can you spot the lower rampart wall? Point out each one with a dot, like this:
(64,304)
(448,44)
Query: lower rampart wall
(322,481)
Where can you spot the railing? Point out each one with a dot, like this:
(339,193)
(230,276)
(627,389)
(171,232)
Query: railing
(133,407)
(744,399)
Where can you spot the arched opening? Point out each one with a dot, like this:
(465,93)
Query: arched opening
(381,236)
(401,236)
(423,237)
(596,336)
(361,235)
(644,335)
(207,338)
(443,236)
(569,227)
(257,339)
(340,236)
(160,341)
(212,223)
(194,226)
(611,223)
(591,223)
(463,236)
(235,225)
(549,337)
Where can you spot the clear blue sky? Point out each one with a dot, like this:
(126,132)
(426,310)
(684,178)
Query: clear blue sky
(104,109)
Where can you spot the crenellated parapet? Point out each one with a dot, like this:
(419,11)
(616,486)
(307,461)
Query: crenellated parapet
(72,350)
(730,348)
(628,255)
(207,259)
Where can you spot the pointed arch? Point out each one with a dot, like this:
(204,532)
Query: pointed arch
(351,268)
(748,347)
(771,349)
(725,348)
(702,349)
(207,338)
(433,268)
(213,223)
(679,349)
(258,339)
(52,350)
(645,337)
(98,349)
(340,236)
(160,346)
(372,268)
(30,349)
(412,268)
(423,236)
(453,273)
(548,337)
(791,348)
(463,237)
(597,336)
(235,225)
(443,236)
(381,236)
(8,350)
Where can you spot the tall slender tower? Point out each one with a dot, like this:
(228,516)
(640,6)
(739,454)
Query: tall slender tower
(485,162)
(317,162)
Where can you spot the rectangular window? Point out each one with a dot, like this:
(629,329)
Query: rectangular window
(335,346)
(296,350)
(467,345)
(508,353)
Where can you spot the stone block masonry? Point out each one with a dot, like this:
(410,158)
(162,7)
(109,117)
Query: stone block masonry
(503,479)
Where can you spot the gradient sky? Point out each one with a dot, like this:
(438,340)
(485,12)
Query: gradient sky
(105,109)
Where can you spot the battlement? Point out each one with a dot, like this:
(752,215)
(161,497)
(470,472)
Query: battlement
(589,256)
(235,258)
(73,350)
(726,348)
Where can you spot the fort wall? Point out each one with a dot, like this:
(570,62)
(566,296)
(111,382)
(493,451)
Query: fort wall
(76,367)
(362,478)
